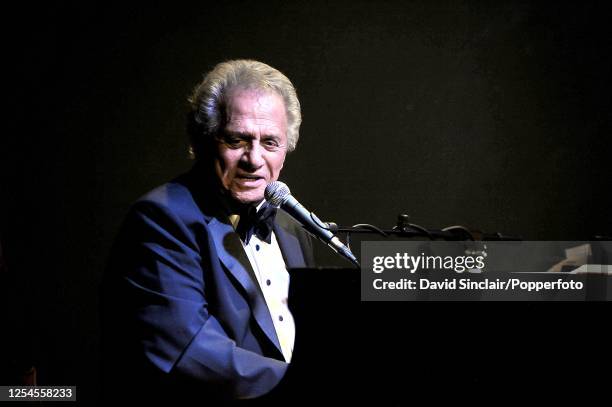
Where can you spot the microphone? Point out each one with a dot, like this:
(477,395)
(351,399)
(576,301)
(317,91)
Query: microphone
(277,194)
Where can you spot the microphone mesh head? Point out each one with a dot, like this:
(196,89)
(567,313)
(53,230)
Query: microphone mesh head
(276,193)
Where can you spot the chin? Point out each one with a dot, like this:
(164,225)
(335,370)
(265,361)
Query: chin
(248,197)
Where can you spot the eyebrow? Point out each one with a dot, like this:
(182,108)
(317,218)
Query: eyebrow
(249,135)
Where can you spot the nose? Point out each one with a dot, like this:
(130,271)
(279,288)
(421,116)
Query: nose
(253,155)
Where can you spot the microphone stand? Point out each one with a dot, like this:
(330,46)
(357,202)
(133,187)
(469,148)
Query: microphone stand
(432,234)
(405,229)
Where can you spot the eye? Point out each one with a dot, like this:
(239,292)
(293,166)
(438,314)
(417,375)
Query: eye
(270,143)
(233,141)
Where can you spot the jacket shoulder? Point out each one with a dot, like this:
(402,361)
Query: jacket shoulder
(176,197)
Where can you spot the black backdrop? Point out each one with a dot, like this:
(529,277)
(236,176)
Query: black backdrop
(493,115)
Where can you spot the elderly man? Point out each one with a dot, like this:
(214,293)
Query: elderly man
(195,295)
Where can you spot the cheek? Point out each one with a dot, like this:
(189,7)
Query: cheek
(229,159)
(277,165)
(226,164)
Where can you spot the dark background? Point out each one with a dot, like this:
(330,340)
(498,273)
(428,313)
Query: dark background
(493,115)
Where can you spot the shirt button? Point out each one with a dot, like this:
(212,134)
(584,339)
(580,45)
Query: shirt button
(280,318)
(268,282)
(257,247)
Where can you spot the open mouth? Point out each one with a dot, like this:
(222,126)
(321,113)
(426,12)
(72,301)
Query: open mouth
(250,179)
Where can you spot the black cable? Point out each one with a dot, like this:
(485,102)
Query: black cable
(465,231)
(417,227)
(316,220)
(366,226)
(370,227)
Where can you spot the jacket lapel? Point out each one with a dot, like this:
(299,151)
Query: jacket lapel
(290,247)
(232,255)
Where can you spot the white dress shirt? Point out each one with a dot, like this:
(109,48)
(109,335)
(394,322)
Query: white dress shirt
(273,278)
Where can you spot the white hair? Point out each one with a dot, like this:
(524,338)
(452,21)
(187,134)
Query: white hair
(209,97)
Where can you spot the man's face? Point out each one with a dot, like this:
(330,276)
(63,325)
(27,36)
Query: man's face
(253,144)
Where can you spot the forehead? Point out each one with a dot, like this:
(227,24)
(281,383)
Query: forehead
(262,107)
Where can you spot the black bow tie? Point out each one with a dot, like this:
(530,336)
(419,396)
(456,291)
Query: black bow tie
(256,222)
